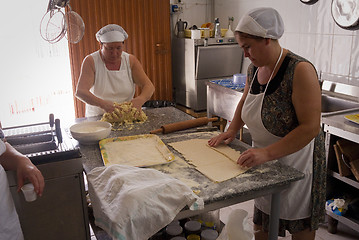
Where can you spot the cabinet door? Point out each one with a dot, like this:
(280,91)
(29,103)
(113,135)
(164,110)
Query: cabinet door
(59,214)
(147,23)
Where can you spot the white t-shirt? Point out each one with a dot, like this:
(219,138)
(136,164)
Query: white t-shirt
(10,228)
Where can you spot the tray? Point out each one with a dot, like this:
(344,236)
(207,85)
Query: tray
(353,118)
(139,150)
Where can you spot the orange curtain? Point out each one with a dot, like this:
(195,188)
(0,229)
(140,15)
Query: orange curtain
(147,23)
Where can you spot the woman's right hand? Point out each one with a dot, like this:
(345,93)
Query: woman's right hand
(108,106)
(225,137)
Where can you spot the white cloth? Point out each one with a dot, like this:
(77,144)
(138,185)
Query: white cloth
(116,86)
(237,227)
(10,228)
(135,203)
(295,200)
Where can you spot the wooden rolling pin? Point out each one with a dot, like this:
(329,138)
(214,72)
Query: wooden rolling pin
(178,126)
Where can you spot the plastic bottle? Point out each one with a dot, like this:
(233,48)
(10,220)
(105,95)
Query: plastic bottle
(217,29)
(229,33)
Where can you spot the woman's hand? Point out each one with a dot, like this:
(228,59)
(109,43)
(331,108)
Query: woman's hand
(225,137)
(108,106)
(26,170)
(253,157)
(137,103)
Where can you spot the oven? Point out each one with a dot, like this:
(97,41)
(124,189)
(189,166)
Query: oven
(195,62)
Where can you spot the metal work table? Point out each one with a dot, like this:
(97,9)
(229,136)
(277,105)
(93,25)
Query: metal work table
(222,101)
(270,178)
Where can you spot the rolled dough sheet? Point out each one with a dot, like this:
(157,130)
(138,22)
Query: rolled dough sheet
(218,164)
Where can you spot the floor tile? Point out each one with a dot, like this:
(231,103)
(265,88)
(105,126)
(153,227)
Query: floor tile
(344,232)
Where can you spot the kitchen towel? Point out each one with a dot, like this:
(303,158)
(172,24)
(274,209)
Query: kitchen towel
(132,203)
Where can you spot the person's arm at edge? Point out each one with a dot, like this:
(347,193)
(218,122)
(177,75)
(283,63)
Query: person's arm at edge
(11,159)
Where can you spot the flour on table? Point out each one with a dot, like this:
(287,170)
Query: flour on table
(218,164)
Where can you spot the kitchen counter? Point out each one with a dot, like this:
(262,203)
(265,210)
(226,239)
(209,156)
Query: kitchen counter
(269,178)
(337,124)
(222,101)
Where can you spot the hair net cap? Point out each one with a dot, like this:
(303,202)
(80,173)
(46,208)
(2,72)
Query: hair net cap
(262,22)
(111,33)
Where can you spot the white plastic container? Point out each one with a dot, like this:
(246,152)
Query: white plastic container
(29,192)
(239,78)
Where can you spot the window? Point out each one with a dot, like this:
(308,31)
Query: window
(35,75)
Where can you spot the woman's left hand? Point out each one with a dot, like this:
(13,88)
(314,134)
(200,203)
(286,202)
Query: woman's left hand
(253,157)
(137,103)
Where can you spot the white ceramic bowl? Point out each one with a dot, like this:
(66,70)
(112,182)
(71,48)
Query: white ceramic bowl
(90,132)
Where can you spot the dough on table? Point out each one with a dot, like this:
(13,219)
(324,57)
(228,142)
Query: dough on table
(141,151)
(124,113)
(218,164)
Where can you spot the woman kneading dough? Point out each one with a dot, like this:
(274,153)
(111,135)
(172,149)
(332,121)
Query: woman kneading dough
(109,75)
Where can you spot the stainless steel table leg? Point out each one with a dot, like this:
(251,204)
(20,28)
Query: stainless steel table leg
(274,217)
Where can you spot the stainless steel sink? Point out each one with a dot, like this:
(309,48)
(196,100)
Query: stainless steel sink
(334,104)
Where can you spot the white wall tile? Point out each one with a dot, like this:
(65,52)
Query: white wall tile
(354,57)
(307,46)
(324,18)
(292,42)
(340,60)
(323,52)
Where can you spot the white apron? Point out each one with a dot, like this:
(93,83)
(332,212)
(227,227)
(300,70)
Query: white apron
(10,228)
(295,200)
(112,85)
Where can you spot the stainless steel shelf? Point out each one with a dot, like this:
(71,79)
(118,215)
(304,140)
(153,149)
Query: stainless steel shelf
(346,180)
(352,223)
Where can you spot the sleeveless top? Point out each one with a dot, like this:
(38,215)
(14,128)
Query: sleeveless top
(112,85)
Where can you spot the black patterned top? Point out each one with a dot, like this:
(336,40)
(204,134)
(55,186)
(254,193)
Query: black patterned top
(278,113)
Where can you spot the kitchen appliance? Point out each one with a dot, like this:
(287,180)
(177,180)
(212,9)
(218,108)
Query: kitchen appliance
(181,26)
(195,63)
(41,142)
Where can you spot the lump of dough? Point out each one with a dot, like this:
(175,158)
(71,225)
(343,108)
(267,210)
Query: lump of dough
(124,113)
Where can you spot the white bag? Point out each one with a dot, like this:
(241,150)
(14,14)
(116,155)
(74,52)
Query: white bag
(237,227)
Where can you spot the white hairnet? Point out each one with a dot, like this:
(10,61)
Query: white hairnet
(262,22)
(111,33)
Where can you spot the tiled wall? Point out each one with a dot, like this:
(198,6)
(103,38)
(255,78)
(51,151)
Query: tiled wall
(310,31)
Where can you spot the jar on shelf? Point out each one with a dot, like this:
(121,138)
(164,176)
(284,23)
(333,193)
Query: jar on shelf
(173,230)
(193,237)
(209,234)
(192,227)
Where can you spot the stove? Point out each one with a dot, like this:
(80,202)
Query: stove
(42,142)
